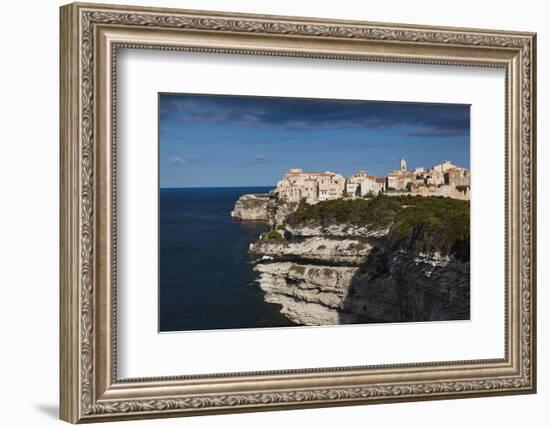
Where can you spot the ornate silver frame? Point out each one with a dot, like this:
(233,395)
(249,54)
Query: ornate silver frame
(90,36)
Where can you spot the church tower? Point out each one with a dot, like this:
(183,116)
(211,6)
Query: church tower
(403,166)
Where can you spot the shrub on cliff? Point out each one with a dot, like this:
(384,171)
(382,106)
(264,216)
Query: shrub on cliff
(273,234)
(377,212)
(419,224)
(433,224)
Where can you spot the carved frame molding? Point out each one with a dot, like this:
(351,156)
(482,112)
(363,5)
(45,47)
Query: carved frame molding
(90,36)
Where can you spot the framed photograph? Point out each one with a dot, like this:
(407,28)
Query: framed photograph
(266,212)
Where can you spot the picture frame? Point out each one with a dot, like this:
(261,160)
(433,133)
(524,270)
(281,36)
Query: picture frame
(91,35)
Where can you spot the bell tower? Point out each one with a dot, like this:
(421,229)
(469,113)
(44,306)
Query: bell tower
(403,166)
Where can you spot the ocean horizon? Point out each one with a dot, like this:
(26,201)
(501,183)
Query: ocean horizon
(219,187)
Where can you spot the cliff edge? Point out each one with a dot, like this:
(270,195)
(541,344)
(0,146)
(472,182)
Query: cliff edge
(385,259)
(251,207)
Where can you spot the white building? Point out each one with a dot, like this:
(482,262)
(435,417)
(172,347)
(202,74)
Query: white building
(361,184)
(311,186)
(444,179)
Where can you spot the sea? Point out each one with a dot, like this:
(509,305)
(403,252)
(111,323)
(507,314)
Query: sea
(206,279)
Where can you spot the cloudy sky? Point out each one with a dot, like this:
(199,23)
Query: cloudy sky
(234,141)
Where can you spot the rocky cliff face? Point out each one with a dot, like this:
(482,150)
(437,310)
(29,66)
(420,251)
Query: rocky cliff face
(251,207)
(317,249)
(278,210)
(326,277)
(308,294)
(403,287)
(411,265)
(263,207)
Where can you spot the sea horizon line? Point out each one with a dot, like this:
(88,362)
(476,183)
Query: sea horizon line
(230,186)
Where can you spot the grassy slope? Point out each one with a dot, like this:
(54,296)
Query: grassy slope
(421,224)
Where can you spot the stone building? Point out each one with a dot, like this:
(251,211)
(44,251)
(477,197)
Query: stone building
(397,180)
(434,177)
(311,186)
(437,175)
(444,179)
(353,184)
(361,184)
(442,191)
(458,177)
(444,167)
(372,185)
(403,166)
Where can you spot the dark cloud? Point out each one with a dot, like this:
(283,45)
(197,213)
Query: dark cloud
(296,113)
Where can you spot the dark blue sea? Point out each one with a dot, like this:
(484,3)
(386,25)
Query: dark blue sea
(206,280)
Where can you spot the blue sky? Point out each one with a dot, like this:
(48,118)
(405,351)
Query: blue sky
(237,141)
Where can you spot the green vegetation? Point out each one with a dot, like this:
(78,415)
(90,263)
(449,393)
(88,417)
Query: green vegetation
(433,224)
(420,224)
(273,234)
(377,212)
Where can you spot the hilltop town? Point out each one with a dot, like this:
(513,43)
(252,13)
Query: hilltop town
(444,179)
(351,254)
